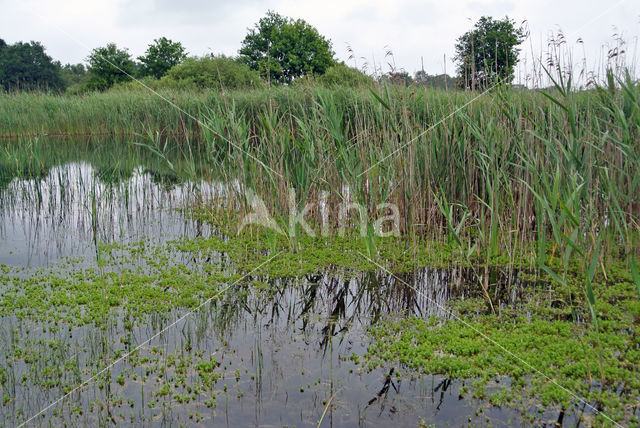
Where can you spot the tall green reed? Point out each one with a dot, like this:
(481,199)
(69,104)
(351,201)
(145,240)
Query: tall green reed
(494,156)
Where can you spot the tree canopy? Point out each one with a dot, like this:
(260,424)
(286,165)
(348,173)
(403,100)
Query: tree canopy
(161,56)
(439,81)
(73,74)
(281,49)
(27,66)
(109,65)
(488,53)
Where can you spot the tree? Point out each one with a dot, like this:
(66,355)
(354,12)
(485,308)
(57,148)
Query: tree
(73,75)
(161,56)
(27,66)
(109,65)
(398,78)
(488,53)
(438,81)
(281,49)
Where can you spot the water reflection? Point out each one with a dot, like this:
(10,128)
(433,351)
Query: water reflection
(72,211)
(283,348)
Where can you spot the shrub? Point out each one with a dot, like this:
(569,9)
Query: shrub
(134,85)
(343,75)
(217,72)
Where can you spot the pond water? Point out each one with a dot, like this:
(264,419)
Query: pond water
(69,210)
(275,355)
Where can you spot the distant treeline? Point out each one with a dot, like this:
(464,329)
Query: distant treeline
(27,67)
(278,50)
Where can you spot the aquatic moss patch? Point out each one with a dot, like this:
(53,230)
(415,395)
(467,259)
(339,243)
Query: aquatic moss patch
(78,296)
(546,362)
(141,284)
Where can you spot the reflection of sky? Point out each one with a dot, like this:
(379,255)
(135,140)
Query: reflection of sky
(43,221)
(291,348)
(303,333)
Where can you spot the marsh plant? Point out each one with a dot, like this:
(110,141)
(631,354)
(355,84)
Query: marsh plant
(541,184)
(388,224)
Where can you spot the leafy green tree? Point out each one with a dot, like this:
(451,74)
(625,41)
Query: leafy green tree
(161,56)
(281,49)
(109,65)
(488,53)
(73,74)
(219,72)
(27,66)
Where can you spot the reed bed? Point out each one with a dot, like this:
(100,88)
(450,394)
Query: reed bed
(511,171)
(536,178)
(539,171)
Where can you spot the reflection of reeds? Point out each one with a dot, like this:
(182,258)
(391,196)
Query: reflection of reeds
(74,207)
(489,160)
(362,300)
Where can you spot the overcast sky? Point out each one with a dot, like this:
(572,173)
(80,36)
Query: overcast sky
(410,29)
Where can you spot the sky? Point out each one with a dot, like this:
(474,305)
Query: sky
(363,33)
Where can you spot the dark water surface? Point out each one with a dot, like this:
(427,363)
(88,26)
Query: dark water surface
(70,210)
(284,356)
